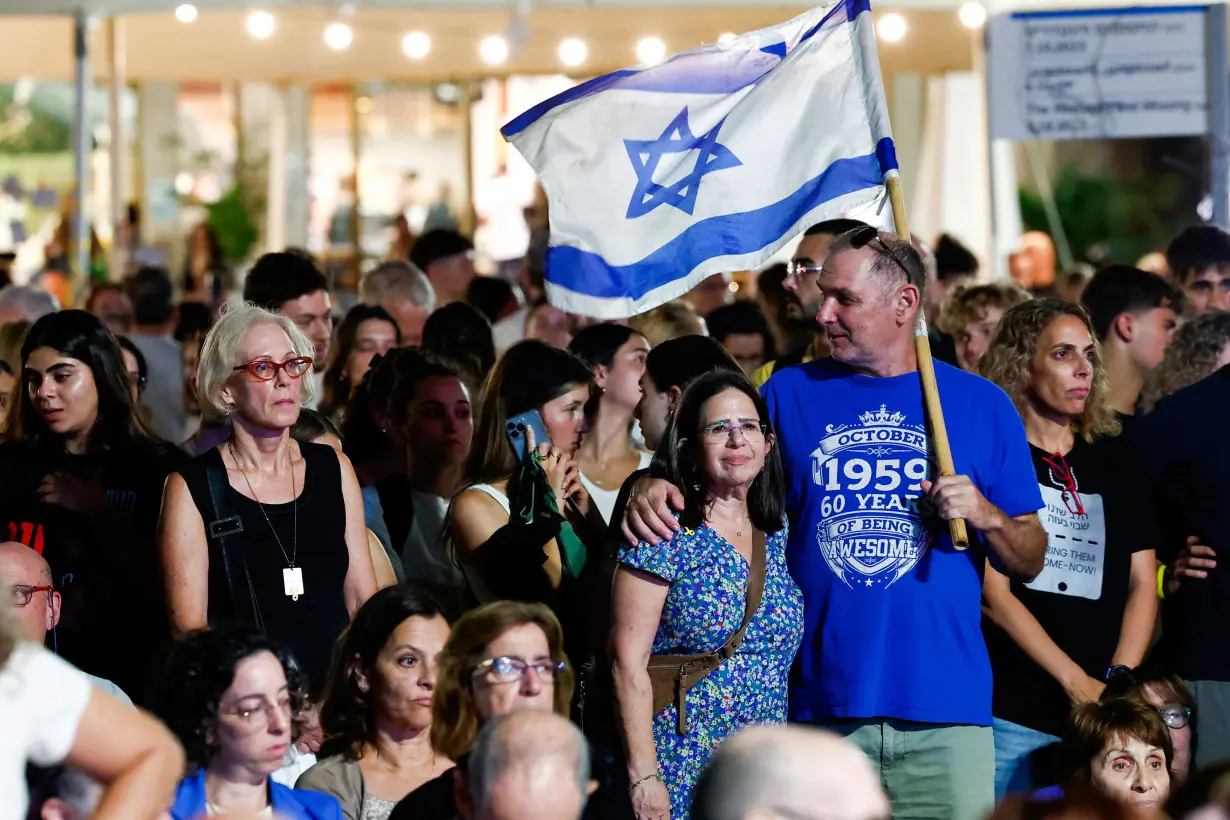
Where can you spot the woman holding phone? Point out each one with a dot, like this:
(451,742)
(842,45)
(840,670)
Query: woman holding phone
(519,528)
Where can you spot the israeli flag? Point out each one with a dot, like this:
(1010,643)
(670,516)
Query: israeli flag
(658,178)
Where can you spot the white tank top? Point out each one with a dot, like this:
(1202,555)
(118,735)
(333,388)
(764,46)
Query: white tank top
(480,589)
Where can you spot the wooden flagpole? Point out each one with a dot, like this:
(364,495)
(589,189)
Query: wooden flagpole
(926,368)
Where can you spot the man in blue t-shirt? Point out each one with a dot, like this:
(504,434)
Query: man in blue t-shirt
(892,654)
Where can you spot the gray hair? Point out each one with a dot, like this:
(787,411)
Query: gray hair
(888,252)
(220,353)
(33,303)
(396,280)
(522,738)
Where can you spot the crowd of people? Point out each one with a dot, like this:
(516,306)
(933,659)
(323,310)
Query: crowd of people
(557,568)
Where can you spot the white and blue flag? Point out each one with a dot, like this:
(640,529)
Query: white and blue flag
(658,178)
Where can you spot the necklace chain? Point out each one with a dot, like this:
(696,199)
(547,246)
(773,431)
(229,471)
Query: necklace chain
(294,509)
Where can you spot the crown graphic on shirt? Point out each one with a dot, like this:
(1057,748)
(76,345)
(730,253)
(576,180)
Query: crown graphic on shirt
(882,418)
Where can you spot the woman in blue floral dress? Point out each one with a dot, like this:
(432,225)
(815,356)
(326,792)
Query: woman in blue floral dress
(687,596)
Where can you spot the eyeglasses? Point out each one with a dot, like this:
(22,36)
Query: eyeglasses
(1175,715)
(800,268)
(510,669)
(267,371)
(21,594)
(1062,475)
(724,429)
(862,237)
(259,716)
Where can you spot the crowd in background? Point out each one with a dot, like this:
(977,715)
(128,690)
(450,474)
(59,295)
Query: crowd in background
(550,567)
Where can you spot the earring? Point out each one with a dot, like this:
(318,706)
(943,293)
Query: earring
(363,686)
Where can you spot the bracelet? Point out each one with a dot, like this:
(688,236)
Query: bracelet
(655,776)
(1161,582)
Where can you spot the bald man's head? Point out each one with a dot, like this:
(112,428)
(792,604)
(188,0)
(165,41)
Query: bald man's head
(767,772)
(21,567)
(528,766)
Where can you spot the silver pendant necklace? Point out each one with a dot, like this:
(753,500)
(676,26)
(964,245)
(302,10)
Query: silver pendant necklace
(292,576)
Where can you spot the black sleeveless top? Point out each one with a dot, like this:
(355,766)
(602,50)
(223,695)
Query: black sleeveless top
(310,626)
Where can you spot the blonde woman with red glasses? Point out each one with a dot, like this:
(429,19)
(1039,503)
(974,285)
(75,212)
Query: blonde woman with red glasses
(263,530)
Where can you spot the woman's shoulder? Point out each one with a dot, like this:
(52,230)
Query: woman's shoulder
(317,805)
(329,773)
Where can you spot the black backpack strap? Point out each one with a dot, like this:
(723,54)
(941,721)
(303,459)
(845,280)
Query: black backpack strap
(223,527)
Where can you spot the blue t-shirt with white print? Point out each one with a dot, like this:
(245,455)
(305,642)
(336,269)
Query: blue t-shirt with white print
(892,611)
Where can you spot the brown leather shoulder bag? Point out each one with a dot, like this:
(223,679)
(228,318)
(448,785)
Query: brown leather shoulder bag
(673,675)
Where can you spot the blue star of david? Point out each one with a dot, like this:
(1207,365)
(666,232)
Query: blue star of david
(676,139)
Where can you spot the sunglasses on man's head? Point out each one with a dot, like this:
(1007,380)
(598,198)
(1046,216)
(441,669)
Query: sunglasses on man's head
(862,237)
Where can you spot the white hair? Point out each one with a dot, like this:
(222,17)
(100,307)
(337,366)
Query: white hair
(397,280)
(33,303)
(220,354)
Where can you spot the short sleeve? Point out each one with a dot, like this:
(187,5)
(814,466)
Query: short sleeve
(1012,483)
(667,560)
(51,696)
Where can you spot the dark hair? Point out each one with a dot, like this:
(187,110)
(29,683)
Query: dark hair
(597,344)
(196,673)
(1093,725)
(348,713)
(742,316)
(312,425)
(675,459)
(1118,289)
(679,362)
(337,387)
(142,368)
(436,245)
(953,260)
(194,318)
(528,375)
(82,336)
(460,335)
(153,296)
(834,227)
(412,368)
(361,434)
(491,295)
(278,278)
(98,289)
(1197,248)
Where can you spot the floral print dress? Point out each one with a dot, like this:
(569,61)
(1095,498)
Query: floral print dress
(704,606)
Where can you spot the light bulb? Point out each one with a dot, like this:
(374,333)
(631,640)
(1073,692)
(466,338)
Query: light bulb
(493,50)
(338,36)
(972,15)
(185,13)
(260,25)
(416,45)
(891,27)
(651,50)
(573,52)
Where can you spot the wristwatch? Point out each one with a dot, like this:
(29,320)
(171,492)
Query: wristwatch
(1117,670)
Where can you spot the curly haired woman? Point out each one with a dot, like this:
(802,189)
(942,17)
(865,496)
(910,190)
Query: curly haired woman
(1054,640)
(1200,347)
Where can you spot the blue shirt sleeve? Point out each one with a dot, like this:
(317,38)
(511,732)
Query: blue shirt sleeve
(1012,484)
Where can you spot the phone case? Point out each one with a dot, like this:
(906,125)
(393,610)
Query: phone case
(515,429)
